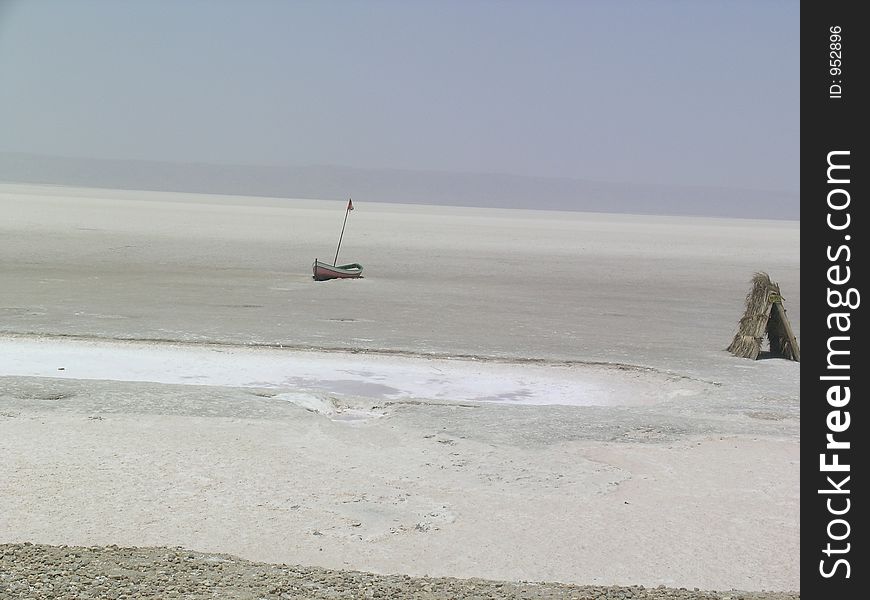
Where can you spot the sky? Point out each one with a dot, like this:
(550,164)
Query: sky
(659,92)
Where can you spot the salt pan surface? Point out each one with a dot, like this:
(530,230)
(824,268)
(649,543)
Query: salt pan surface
(344,374)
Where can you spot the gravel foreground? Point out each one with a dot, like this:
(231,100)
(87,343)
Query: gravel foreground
(36,571)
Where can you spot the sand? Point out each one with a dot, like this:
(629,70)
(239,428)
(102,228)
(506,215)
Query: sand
(74,572)
(446,416)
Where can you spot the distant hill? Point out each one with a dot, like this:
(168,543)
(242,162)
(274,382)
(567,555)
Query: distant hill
(406,186)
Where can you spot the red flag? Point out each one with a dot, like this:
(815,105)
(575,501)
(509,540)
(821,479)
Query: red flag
(349,204)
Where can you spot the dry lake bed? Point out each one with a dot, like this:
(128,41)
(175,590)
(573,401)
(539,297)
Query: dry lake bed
(506,394)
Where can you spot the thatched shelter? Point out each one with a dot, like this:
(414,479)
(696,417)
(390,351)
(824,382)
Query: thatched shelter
(765,315)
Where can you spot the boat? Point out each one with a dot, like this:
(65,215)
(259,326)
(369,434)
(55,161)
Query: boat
(324,271)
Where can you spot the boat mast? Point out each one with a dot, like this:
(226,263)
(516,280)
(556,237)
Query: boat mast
(346,212)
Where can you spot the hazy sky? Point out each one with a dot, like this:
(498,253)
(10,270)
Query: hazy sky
(669,92)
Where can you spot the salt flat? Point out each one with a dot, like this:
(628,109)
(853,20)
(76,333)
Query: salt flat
(671,463)
(378,376)
(657,291)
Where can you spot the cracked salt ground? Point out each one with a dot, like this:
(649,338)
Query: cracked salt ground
(330,406)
